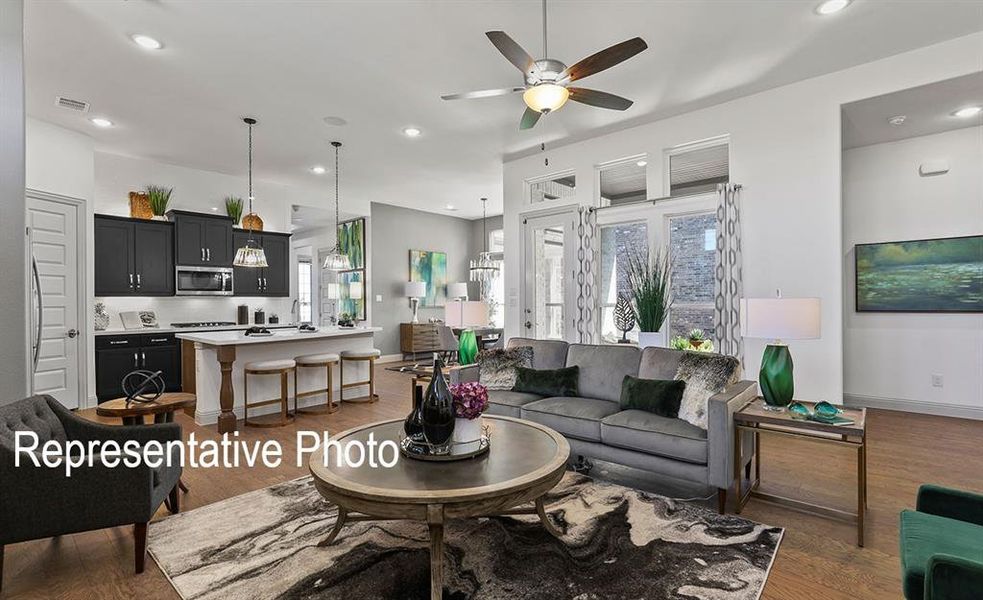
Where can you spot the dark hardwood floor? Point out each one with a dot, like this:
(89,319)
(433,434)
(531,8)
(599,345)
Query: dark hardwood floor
(818,558)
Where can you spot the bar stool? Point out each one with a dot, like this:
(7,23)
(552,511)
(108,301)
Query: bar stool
(368,356)
(268,367)
(326,360)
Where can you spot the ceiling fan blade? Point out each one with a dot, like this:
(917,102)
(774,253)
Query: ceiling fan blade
(605,59)
(482,93)
(512,51)
(599,99)
(529,119)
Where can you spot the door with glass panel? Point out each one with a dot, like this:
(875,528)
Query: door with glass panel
(548,248)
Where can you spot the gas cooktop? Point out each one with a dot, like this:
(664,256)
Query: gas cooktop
(204,324)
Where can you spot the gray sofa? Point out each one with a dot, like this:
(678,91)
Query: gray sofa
(596,427)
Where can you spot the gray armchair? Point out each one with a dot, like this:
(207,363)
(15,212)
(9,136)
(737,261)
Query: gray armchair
(39,502)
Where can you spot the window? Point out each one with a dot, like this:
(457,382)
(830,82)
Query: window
(553,188)
(692,244)
(304,289)
(495,294)
(617,241)
(698,168)
(622,182)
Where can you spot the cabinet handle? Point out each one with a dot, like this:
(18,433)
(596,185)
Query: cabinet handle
(143,359)
(208,254)
(131,281)
(136,360)
(202,255)
(118,342)
(138,281)
(158,339)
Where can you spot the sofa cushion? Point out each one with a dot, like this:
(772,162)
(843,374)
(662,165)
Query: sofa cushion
(546,354)
(602,368)
(657,396)
(496,367)
(923,535)
(578,418)
(659,363)
(705,375)
(510,398)
(663,436)
(547,382)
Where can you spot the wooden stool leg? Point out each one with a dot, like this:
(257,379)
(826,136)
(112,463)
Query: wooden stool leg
(245,397)
(330,392)
(341,381)
(296,391)
(284,394)
(372,396)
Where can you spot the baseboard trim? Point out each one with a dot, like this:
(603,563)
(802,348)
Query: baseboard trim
(390,358)
(914,406)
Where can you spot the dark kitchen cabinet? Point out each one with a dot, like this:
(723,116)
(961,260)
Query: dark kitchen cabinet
(117,355)
(270,281)
(133,257)
(202,240)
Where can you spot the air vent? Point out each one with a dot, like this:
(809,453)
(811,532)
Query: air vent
(71,104)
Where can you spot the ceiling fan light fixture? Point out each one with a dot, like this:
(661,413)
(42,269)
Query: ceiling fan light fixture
(546,97)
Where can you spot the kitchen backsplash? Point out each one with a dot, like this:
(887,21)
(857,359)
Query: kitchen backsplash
(186,309)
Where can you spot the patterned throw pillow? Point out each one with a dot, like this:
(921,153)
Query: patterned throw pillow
(497,368)
(705,375)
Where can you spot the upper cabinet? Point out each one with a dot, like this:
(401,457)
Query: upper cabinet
(133,257)
(270,281)
(202,240)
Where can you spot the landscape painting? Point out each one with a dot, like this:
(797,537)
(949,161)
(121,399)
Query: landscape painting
(430,268)
(940,275)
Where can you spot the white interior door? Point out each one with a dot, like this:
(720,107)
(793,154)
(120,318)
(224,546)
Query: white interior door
(549,246)
(57,309)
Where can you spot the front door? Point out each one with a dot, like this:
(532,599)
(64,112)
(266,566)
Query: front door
(548,248)
(56,314)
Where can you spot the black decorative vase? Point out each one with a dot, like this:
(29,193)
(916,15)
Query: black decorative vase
(413,425)
(438,409)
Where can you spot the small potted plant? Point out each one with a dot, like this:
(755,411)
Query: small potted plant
(233,208)
(159,197)
(346,320)
(470,401)
(648,283)
(696,338)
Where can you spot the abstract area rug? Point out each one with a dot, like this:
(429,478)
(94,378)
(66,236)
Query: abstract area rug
(618,543)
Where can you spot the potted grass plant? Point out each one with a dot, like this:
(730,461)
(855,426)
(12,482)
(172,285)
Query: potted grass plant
(651,297)
(159,197)
(233,208)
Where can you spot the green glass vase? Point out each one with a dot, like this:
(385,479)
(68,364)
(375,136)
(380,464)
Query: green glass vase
(467,347)
(775,377)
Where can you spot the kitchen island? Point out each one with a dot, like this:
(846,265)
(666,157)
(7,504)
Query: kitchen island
(220,356)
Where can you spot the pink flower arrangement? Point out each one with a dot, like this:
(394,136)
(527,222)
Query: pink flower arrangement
(470,400)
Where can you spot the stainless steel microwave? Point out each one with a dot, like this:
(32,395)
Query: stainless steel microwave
(204,281)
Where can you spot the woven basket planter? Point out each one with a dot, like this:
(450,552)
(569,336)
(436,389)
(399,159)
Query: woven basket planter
(252,222)
(140,206)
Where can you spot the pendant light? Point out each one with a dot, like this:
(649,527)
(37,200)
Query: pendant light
(483,269)
(252,254)
(336,260)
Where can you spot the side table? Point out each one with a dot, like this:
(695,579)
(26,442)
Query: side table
(757,420)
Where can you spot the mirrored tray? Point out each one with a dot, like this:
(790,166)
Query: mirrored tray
(420,450)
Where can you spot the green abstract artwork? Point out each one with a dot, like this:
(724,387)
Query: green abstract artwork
(940,275)
(351,292)
(351,239)
(430,268)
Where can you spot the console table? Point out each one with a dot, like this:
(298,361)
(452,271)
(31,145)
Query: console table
(417,338)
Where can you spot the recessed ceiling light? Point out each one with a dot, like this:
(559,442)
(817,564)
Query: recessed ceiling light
(145,41)
(969,111)
(411,132)
(101,122)
(318,170)
(832,6)
(450,207)
(214,209)
(642,163)
(897,120)
(335,121)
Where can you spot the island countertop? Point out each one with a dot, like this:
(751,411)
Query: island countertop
(239,338)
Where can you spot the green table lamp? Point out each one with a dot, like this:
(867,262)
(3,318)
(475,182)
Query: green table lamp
(463,314)
(779,319)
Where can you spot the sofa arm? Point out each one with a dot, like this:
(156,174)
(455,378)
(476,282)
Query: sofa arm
(720,431)
(463,374)
(952,578)
(949,503)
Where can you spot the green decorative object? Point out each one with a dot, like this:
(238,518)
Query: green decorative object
(775,377)
(467,348)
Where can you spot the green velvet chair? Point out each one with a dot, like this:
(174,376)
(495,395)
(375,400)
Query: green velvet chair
(942,545)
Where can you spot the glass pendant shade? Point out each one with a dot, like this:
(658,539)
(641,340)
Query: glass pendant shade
(546,97)
(336,261)
(250,255)
(483,269)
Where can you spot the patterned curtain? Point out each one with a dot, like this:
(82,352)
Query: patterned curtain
(586,234)
(728,275)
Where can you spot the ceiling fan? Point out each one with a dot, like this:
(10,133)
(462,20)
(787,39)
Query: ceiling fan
(547,81)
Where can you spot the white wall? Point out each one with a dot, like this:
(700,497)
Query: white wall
(785,150)
(889,358)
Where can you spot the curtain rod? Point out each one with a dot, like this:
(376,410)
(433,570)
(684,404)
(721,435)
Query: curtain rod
(736,186)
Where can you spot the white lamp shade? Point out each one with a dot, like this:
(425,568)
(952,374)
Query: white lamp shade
(332,291)
(465,314)
(781,318)
(355,290)
(457,290)
(415,289)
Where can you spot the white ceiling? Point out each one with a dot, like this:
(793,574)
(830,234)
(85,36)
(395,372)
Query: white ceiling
(927,109)
(382,66)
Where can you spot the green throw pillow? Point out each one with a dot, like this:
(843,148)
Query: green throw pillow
(652,395)
(547,382)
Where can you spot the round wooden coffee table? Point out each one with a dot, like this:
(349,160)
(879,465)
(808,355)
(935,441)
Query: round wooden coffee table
(525,461)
